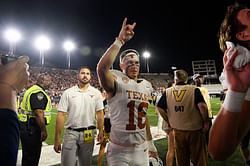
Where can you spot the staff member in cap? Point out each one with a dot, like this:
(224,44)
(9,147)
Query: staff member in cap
(34,116)
(81,103)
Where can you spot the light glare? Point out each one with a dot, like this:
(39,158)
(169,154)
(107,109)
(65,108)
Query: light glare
(146,54)
(68,45)
(42,43)
(12,35)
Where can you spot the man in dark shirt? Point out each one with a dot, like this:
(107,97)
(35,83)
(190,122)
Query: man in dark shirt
(184,107)
(35,114)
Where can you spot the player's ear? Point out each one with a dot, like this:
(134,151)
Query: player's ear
(243,36)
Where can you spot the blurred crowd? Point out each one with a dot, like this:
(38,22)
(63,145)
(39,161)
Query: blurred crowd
(62,79)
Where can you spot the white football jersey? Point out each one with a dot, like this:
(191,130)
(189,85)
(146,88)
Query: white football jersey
(128,107)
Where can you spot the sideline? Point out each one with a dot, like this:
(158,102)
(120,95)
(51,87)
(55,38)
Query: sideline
(50,157)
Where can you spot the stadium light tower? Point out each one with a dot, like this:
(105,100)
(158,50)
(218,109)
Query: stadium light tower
(43,44)
(147,55)
(68,46)
(13,36)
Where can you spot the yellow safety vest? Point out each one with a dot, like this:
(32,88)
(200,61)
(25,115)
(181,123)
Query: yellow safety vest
(17,103)
(27,112)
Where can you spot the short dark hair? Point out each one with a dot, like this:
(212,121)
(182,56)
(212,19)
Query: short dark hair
(84,67)
(230,26)
(41,77)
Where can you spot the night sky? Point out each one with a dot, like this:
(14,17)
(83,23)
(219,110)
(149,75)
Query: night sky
(174,32)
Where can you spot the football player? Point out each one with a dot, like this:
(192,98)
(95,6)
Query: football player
(128,99)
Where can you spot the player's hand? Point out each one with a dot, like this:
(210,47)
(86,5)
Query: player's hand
(43,135)
(126,32)
(15,73)
(153,154)
(238,80)
(152,149)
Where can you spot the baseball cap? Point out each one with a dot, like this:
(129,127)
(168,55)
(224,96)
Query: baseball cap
(195,76)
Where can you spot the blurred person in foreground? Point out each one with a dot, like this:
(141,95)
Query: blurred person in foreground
(234,114)
(13,77)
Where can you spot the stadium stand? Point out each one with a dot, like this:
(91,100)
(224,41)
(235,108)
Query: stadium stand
(63,79)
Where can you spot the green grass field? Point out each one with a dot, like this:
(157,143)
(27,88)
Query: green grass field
(235,160)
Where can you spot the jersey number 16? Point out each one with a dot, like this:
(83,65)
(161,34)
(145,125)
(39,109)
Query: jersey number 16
(141,115)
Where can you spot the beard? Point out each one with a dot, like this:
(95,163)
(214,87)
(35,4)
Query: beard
(84,82)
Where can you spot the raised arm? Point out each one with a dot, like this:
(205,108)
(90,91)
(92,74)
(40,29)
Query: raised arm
(103,67)
(232,122)
(13,77)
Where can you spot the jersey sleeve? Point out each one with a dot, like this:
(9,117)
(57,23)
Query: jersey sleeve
(118,75)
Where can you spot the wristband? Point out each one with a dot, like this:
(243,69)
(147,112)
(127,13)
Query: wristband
(247,97)
(233,101)
(6,83)
(118,42)
(151,146)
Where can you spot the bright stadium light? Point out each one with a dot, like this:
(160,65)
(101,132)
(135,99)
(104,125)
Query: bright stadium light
(147,55)
(173,67)
(43,44)
(13,36)
(68,46)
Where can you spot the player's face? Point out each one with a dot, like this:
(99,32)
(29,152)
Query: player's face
(84,76)
(244,17)
(132,68)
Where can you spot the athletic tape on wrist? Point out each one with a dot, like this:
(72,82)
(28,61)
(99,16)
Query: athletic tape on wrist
(247,97)
(233,101)
(151,146)
(118,43)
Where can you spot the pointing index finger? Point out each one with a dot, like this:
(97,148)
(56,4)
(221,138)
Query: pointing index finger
(134,24)
(124,22)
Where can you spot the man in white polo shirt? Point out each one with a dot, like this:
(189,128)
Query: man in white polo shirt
(81,103)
